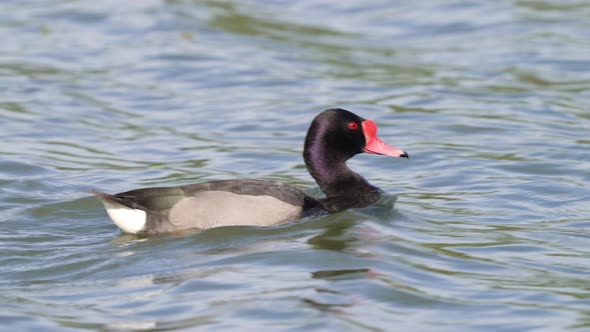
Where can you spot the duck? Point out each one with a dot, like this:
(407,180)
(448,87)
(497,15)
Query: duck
(334,136)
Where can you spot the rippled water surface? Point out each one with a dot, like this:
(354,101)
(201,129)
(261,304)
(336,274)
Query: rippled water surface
(490,230)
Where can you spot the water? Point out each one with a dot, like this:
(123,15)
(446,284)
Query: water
(490,228)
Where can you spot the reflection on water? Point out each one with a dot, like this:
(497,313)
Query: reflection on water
(483,229)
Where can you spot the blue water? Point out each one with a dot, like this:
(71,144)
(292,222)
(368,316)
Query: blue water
(490,230)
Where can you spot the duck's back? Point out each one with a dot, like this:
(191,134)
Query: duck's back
(210,204)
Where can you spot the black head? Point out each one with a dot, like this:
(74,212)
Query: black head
(338,132)
(336,135)
(341,134)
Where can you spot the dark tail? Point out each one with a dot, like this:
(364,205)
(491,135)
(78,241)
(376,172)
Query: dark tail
(114,199)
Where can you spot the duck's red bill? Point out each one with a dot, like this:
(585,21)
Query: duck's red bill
(374,145)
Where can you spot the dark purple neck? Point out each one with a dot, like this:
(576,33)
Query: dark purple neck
(343,187)
(328,171)
(327,148)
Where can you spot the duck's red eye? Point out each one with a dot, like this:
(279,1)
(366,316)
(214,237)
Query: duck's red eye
(353,125)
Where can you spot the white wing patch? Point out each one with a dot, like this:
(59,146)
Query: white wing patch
(129,220)
(210,209)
